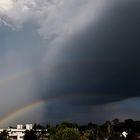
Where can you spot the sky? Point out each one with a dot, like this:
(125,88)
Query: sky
(77,60)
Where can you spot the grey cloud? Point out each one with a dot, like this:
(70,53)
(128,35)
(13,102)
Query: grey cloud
(89,55)
(20,54)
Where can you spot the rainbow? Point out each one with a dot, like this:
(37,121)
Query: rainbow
(15,76)
(19,111)
(10,116)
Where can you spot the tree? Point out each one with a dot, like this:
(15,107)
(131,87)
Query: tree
(52,132)
(129,124)
(89,135)
(68,134)
(105,130)
(4,135)
(30,135)
(70,125)
(40,131)
(116,121)
(38,126)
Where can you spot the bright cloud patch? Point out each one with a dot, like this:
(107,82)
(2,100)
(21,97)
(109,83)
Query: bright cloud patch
(53,18)
(6,5)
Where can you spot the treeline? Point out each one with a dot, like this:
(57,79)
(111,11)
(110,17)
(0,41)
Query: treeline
(110,130)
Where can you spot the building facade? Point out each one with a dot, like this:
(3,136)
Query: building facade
(19,132)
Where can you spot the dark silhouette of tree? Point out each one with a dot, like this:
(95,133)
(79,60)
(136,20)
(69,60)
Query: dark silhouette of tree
(70,125)
(115,121)
(52,132)
(38,126)
(30,135)
(119,127)
(106,130)
(129,123)
(136,126)
(4,135)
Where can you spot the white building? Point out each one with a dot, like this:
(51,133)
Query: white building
(18,132)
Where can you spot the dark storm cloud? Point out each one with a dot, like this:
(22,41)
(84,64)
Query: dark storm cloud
(104,59)
(101,64)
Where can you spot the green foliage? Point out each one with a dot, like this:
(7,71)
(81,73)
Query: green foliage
(110,130)
(68,134)
(64,133)
(90,126)
(52,132)
(89,134)
(70,125)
